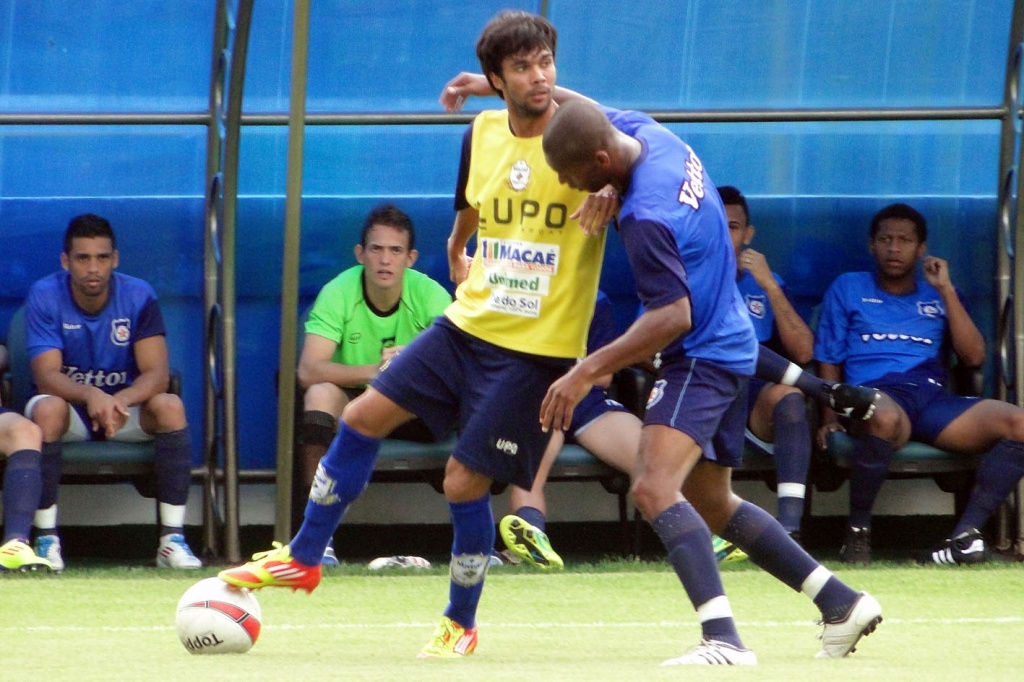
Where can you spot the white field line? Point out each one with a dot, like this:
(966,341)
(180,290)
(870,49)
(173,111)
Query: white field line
(1002,620)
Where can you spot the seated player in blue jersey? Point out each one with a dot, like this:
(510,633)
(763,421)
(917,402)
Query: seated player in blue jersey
(893,329)
(777,420)
(361,319)
(97,344)
(20,441)
(601,425)
(675,234)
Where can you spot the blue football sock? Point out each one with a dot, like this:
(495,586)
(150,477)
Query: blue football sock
(22,483)
(172,460)
(532,515)
(871,458)
(792,458)
(341,477)
(473,528)
(996,478)
(49,467)
(769,547)
(688,541)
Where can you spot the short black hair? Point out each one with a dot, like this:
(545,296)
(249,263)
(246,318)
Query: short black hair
(733,197)
(392,216)
(901,212)
(512,32)
(87,226)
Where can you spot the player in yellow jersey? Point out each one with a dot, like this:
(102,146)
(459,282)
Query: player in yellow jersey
(518,322)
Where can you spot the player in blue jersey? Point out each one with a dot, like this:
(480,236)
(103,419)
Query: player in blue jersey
(893,329)
(97,345)
(777,420)
(674,230)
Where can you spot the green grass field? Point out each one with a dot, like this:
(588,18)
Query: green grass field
(609,621)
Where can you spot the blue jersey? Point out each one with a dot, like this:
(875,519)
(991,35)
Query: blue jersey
(872,333)
(755,300)
(602,325)
(675,232)
(97,350)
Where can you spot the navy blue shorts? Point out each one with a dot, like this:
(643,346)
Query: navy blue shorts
(4,409)
(704,401)
(928,404)
(594,405)
(754,388)
(490,395)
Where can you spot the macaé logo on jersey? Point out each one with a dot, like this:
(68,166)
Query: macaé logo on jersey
(756,305)
(519,176)
(120,331)
(519,256)
(692,190)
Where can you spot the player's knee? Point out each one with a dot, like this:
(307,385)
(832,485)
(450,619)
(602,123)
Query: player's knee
(166,410)
(650,496)
(51,414)
(23,434)
(324,397)
(887,421)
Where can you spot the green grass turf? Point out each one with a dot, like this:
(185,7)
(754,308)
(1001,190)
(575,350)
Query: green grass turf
(610,621)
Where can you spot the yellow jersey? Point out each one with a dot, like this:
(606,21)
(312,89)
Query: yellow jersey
(533,281)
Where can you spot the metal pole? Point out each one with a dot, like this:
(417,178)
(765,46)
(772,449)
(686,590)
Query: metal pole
(290,271)
(232,143)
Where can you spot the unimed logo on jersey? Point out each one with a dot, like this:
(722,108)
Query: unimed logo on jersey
(120,331)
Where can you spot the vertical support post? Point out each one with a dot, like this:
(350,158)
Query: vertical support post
(290,271)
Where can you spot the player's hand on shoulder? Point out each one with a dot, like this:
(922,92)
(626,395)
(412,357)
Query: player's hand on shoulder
(460,88)
(597,210)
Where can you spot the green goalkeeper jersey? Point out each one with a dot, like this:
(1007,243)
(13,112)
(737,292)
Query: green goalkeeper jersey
(342,315)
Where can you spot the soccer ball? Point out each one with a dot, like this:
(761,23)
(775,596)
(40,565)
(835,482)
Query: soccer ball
(216,618)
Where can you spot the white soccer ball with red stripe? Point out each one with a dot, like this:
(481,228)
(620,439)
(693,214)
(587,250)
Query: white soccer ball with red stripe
(216,618)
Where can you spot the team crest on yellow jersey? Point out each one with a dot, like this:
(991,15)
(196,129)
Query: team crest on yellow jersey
(519,176)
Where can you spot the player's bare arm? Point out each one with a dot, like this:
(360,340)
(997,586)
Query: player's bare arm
(466,222)
(968,343)
(649,334)
(794,333)
(462,87)
(154,371)
(316,367)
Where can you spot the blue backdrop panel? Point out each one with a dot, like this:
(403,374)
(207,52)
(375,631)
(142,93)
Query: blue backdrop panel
(718,54)
(101,55)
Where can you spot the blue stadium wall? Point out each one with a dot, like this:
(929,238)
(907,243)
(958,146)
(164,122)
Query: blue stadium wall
(812,186)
